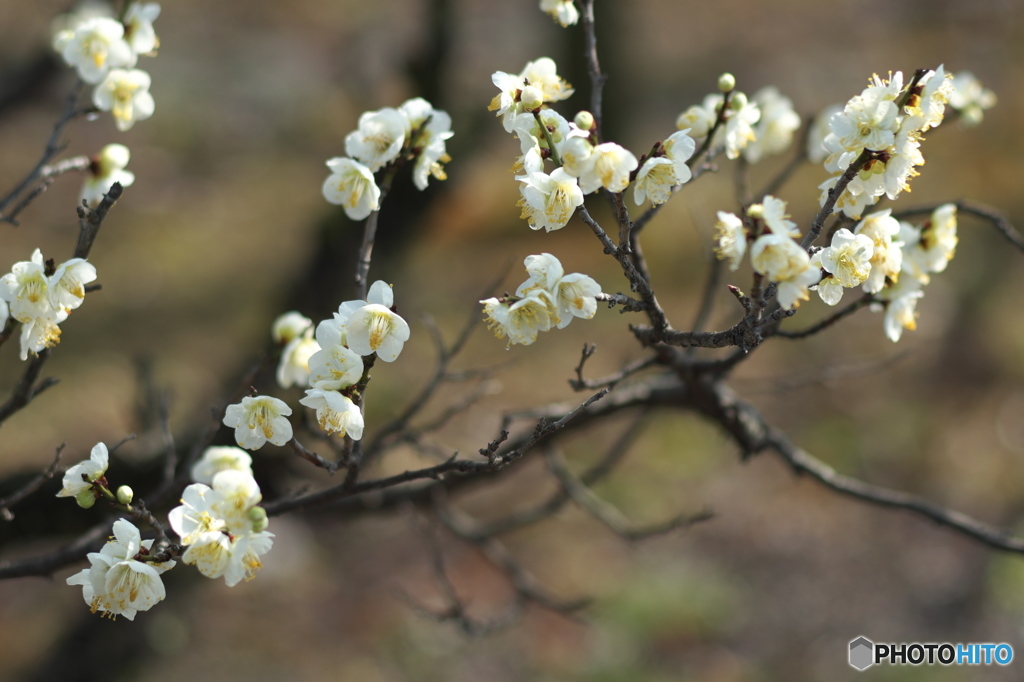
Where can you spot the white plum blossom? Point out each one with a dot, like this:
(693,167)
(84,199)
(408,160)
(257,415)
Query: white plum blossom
(541,74)
(117,583)
(67,284)
(887,257)
(730,239)
(562,11)
(773,212)
(778,257)
(609,166)
(576,296)
(218,458)
(96,46)
(868,121)
(936,87)
(80,477)
(817,133)
(138,21)
(738,130)
(375,328)
(259,419)
(334,367)
(125,93)
(545,272)
(351,185)
(970,98)
(521,319)
(793,289)
(900,303)
(107,168)
(929,248)
(848,260)
(335,412)
(699,119)
(576,153)
(549,201)
(379,137)
(659,174)
(290,326)
(774,130)
(293,368)
(433,127)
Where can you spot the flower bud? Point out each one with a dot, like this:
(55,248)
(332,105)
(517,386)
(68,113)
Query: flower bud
(258,518)
(584,120)
(125,495)
(738,101)
(531,97)
(726,82)
(86,498)
(756,211)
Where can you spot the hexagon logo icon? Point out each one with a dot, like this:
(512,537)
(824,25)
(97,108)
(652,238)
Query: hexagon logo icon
(862,652)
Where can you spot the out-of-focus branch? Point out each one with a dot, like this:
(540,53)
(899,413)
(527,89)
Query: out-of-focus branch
(54,146)
(597,79)
(33,485)
(998,219)
(607,513)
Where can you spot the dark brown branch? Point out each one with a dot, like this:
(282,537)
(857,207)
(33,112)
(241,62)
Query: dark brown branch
(597,79)
(833,197)
(310,456)
(803,462)
(90,220)
(845,311)
(26,388)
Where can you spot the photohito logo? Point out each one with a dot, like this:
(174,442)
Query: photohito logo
(864,653)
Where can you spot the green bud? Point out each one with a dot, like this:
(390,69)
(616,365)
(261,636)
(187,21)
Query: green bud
(726,82)
(258,517)
(584,120)
(125,495)
(86,498)
(738,101)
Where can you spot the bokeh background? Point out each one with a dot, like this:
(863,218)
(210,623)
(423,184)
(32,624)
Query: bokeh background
(225,228)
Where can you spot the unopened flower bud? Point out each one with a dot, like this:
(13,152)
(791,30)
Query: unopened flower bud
(86,498)
(726,82)
(531,97)
(738,101)
(756,211)
(584,120)
(258,518)
(125,495)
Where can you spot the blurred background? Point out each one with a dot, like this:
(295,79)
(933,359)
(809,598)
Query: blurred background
(225,228)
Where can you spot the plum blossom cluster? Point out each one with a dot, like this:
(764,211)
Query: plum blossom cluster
(222,528)
(774,251)
(333,363)
(219,520)
(887,120)
(104,51)
(582,164)
(889,259)
(549,298)
(414,132)
(40,295)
